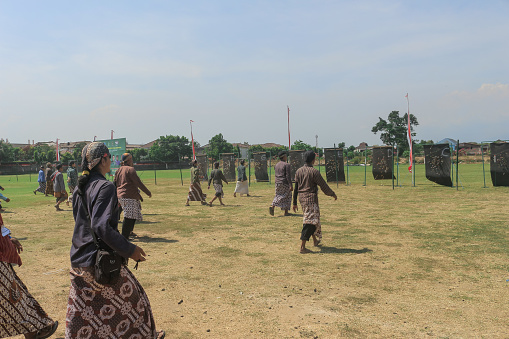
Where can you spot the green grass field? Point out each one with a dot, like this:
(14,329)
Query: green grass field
(424,261)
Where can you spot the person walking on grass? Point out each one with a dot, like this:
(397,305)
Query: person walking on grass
(42,182)
(195,191)
(72,179)
(59,187)
(284,188)
(307,180)
(128,191)
(118,310)
(242,186)
(217,178)
(21,314)
(48,172)
(4,198)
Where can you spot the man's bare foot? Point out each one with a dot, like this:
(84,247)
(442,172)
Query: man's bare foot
(247,195)
(271,210)
(234,195)
(186,204)
(305,250)
(223,204)
(316,242)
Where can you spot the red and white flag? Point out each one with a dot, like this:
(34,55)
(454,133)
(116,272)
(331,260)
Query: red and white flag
(409,136)
(192,138)
(58,151)
(289,142)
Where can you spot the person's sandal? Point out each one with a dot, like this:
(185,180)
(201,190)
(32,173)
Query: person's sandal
(47,331)
(271,210)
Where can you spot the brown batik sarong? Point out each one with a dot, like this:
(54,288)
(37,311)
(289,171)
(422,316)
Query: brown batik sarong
(283,197)
(195,192)
(41,188)
(219,190)
(311,212)
(49,188)
(20,313)
(100,311)
(131,208)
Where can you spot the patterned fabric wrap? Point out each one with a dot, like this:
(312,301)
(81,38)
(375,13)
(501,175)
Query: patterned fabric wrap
(99,311)
(49,188)
(219,190)
(20,313)
(8,252)
(42,187)
(195,192)
(242,187)
(283,196)
(93,153)
(311,212)
(131,207)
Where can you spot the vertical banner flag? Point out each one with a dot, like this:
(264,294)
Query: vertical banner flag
(289,142)
(409,136)
(192,138)
(58,151)
(112,134)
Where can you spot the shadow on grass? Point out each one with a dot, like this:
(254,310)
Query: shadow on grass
(147,222)
(328,249)
(154,239)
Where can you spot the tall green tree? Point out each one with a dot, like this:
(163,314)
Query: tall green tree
(393,131)
(170,147)
(6,152)
(218,145)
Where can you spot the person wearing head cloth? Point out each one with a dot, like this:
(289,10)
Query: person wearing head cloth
(242,186)
(128,191)
(48,172)
(120,310)
(307,180)
(21,314)
(195,191)
(59,187)
(72,179)
(42,181)
(283,197)
(216,178)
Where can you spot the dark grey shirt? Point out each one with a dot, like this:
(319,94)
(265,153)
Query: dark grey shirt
(241,173)
(58,182)
(282,172)
(102,203)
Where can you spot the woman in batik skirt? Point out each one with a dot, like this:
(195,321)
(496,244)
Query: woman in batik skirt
(307,180)
(195,192)
(217,178)
(20,312)
(128,191)
(242,186)
(48,172)
(120,310)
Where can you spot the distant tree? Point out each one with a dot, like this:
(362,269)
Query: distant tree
(218,145)
(6,152)
(138,154)
(170,147)
(66,157)
(76,152)
(394,131)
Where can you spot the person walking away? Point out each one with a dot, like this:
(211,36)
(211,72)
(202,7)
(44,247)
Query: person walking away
(242,186)
(120,309)
(59,187)
(307,180)
(217,178)
(283,197)
(21,313)
(48,172)
(195,191)
(128,191)
(42,181)
(72,179)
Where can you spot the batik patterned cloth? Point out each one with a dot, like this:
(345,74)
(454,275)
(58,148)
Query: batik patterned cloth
(311,212)
(20,313)
(195,192)
(219,190)
(114,311)
(283,197)
(42,187)
(131,207)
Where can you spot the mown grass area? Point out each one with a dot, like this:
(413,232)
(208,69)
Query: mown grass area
(424,261)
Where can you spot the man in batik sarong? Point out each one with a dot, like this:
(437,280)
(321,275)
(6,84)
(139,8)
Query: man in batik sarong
(195,192)
(42,182)
(284,188)
(217,177)
(242,186)
(307,180)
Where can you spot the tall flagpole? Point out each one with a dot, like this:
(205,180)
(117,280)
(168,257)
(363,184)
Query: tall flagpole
(192,138)
(409,136)
(112,134)
(58,151)
(289,142)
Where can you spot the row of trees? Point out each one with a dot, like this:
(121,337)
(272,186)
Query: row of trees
(170,148)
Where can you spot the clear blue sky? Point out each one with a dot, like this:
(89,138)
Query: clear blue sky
(77,69)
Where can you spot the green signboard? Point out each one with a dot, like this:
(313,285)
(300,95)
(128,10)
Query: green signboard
(117,148)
